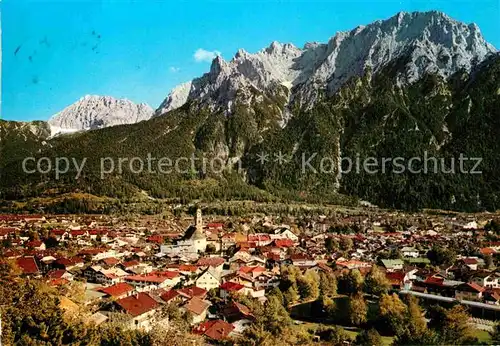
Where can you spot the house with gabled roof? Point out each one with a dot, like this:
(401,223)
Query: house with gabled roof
(234,311)
(393,264)
(491,297)
(198,309)
(141,308)
(209,279)
(216,329)
(28,266)
(60,274)
(36,245)
(118,291)
(228,288)
(469,291)
(193,291)
(486,279)
(215,262)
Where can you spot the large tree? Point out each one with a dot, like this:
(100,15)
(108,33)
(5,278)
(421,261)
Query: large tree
(376,282)
(369,337)
(351,282)
(392,313)
(327,284)
(357,310)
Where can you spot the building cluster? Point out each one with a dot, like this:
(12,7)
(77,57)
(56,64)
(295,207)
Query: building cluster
(135,272)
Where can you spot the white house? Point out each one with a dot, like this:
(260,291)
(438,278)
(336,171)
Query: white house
(408,251)
(209,279)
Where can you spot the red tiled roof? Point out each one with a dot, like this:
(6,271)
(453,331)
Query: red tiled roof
(166,274)
(487,251)
(434,281)
(215,225)
(110,261)
(470,261)
(283,243)
(129,264)
(231,286)
(196,306)
(138,304)
(11,217)
(188,268)
(299,256)
(117,290)
(34,243)
(210,261)
(27,265)
(256,269)
(56,274)
(273,256)
(234,309)
(7,230)
(475,286)
(259,237)
(324,267)
(69,261)
(77,233)
(58,282)
(216,330)
(193,291)
(395,277)
(98,231)
(169,295)
(155,239)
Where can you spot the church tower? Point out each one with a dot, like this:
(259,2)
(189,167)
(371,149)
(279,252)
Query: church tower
(198,222)
(198,237)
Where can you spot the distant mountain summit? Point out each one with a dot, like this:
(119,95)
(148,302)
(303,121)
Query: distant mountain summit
(95,112)
(429,42)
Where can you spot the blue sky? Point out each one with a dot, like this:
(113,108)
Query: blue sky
(55,52)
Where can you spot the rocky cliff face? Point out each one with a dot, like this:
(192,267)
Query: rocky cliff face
(94,112)
(424,42)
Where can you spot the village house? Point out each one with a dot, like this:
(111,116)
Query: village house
(393,264)
(486,279)
(60,274)
(118,291)
(408,251)
(209,279)
(153,281)
(469,291)
(141,308)
(198,309)
(28,266)
(216,330)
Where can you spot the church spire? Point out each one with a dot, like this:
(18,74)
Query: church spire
(198,222)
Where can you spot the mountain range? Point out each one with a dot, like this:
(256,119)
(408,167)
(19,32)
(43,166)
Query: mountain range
(412,84)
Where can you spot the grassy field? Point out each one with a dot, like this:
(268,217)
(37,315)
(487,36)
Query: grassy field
(483,336)
(305,326)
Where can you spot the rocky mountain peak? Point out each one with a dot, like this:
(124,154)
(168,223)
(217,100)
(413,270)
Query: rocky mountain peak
(429,42)
(93,112)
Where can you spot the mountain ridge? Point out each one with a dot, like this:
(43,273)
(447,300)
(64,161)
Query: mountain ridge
(432,41)
(93,112)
